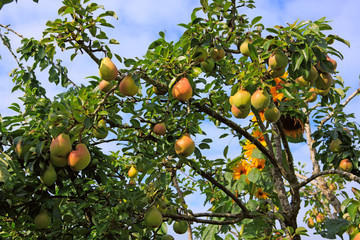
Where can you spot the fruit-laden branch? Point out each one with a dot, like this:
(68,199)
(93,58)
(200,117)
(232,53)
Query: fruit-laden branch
(316,170)
(239,218)
(331,171)
(354,94)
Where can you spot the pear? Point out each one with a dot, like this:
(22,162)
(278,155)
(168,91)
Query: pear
(107,70)
(244,47)
(132,173)
(101,131)
(272,114)
(128,87)
(207,65)
(330,63)
(159,129)
(323,81)
(49,176)
(105,86)
(260,99)
(153,218)
(217,53)
(180,227)
(158,91)
(240,113)
(184,146)
(274,73)
(335,145)
(21,149)
(79,158)
(278,60)
(242,99)
(42,219)
(182,90)
(313,96)
(200,54)
(322,92)
(59,149)
(167,237)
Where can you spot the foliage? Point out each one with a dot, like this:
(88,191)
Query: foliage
(256,195)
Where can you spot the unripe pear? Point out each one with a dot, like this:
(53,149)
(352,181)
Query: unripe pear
(332,64)
(335,145)
(323,81)
(260,99)
(60,147)
(132,173)
(322,92)
(244,47)
(167,237)
(272,114)
(313,96)
(240,113)
(42,219)
(274,73)
(158,91)
(21,149)
(200,54)
(107,70)
(313,74)
(182,90)
(153,218)
(79,158)
(184,146)
(128,87)
(217,54)
(101,131)
(207,65)
(278,60)
(242,99)
(180,227)
(301,81)
(105,86)
(160,129)
(49,176)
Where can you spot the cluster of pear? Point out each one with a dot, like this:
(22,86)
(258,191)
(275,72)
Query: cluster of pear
(108,72)
(207,60)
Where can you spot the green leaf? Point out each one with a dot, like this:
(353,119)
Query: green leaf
(255,20)
(225,152)
(3,2)
(301,231)
(204,4)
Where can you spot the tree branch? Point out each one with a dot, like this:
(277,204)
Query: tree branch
(331,171)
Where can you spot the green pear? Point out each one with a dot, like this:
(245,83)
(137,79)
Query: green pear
(323,81)
(107,70)
(49,176)
(272,114)
(180,227)
(153,218)
(244,47)
(42,219)
(260,99)
(240,113)
(167,237)
(200,54)
(128,87)
(242,99)
(101,131)
(217,53)
(59,149)
(335,145)
(278,60)
(207,65)
(274,73)
(322,92)
(105,86)
(79,158)
(22,148)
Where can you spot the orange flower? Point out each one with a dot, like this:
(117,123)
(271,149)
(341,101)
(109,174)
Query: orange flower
(249,147)
(258,163)
(261,113)
(260,194)
(243,167)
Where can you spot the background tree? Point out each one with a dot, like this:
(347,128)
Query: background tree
(181,85)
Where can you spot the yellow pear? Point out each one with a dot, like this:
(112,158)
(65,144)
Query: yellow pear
(128,87)
(79,158)
(59,149)
(184,146)
(49,176)
(107,70)
(42,219)
(132,173)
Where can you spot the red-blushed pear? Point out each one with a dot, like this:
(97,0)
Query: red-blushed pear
(346,165)
(242,99)
(79,158)
(357,237)
(310,223)
(333,186)
(320,218)
(105,86)
(278,60)
(182,90)
(272,114)
(159,129)
(60,147)
(323,81)
(180,227)
(301,81)
(240,113)
(217,53)
(200,54)
(42,220)
(21,149)
(101,131)
(260,99)
(244,47)
(153,218)
(107,69)
(184,146)
(49,176)
(132,173)
(335,145)
(331,63)
(128,87)
(312,97)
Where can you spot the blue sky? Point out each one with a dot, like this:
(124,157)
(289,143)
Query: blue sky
(140,21)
